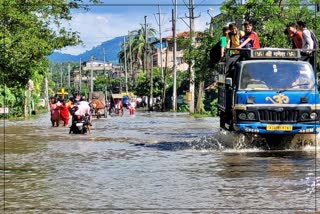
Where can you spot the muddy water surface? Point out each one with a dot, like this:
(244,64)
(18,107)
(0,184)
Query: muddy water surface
(149,163)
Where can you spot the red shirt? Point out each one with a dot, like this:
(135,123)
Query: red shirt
(297,39)
(255,42)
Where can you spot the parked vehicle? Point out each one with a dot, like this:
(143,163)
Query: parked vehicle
(271,93)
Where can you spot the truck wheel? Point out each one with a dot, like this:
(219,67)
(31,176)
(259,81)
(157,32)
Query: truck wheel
(231,126)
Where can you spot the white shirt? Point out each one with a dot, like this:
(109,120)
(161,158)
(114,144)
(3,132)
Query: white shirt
(83,108)
(307,42)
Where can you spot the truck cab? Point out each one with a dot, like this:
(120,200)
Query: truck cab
(270,91)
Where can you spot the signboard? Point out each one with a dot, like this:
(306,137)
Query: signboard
(276,53)
(4,110)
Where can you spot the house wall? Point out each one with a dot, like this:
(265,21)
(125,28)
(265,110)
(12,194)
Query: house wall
(167,53)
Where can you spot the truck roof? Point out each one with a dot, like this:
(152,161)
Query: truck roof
(274,61)
(272,53)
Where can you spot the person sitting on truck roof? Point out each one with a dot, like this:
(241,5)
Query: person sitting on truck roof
(294,35)
(250,39)
(223,40)
(234,37)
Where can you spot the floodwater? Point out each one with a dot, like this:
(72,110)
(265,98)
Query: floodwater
(149,163)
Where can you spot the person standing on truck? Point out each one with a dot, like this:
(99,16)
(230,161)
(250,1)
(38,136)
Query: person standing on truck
(223,40)
(234,37)
(307,42)
(250,39)
(294,35)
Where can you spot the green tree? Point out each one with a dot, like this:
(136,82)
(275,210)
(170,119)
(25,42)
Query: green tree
(270,17)
(30,31)
(137,43)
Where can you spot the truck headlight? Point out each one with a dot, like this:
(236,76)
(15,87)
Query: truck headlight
(242,116)
(251,116)
(313,115)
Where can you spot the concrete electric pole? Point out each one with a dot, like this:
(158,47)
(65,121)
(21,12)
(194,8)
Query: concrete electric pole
(174,22)
(125,63)
(91,75)
(159,22)
(191,63)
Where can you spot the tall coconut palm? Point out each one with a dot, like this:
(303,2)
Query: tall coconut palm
(137,44)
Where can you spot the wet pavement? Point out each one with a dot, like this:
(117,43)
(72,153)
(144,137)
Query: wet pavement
(149,163)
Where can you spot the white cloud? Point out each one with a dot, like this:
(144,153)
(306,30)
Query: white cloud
(97,28)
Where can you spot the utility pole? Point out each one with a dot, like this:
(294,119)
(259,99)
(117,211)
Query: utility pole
(161,59)
(191,64)
(145,44)
(105,73)
(80,77)
(125,63)
(91,75)
(130,58)
(69,75)
(146,63)
(61,76)
(174,21)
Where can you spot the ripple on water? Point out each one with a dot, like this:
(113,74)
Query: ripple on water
(126,163)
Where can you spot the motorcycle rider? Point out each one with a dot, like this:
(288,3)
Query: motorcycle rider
(83,110)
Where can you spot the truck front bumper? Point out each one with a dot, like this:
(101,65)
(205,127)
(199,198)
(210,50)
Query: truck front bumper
(264,128)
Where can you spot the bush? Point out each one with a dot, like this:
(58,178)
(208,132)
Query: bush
(183,108)
(214,107)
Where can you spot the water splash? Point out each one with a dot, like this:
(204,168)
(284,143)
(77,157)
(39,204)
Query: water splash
(220,141)
(237,142)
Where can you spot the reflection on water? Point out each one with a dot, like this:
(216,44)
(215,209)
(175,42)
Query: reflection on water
(150,163)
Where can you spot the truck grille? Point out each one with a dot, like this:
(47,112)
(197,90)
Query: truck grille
(278,116)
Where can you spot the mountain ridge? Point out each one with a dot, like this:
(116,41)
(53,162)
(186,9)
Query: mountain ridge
(111,47)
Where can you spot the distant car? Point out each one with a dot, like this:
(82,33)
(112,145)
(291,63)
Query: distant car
(42,103)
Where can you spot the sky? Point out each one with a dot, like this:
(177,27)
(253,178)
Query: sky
(116,17)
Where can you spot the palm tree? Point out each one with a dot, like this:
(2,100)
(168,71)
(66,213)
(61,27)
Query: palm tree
(137,43)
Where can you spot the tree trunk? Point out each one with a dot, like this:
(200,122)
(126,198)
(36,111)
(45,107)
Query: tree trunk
(200,94)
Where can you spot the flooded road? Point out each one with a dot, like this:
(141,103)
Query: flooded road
(149,163)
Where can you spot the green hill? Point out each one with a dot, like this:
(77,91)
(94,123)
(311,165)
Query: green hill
(112,48)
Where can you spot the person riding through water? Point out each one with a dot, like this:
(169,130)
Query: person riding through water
(83,109)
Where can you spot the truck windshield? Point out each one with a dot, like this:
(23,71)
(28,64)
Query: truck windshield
(273,75)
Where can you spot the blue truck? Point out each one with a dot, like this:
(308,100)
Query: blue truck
(269,92)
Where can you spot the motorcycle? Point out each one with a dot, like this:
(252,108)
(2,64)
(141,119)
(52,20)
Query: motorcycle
(79,124)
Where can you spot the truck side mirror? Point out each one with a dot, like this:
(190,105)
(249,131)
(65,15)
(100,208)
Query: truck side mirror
(229,81)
